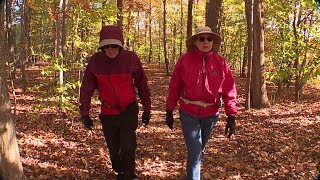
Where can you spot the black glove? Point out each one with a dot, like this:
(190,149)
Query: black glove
(87,121)
(146,118)
(230,126)
(169,118)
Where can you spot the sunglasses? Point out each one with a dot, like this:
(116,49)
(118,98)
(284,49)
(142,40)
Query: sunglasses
(110,46)
(202,39)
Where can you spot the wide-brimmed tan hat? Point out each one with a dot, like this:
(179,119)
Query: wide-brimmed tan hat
(204,30)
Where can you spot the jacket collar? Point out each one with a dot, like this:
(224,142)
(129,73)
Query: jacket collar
(197,52)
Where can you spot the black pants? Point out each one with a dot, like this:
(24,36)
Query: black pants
(120,134)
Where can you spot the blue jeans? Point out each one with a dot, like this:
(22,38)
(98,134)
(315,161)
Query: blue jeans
(196,132)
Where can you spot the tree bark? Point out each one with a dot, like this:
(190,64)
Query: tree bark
(119,13)
(164,38)
(181,25)
(61,46)
(249,12)
(150,37)
(10,163)
(174,35)
(258,91)
(23,48)
(189,22)
(2,31)
(213,14)
(244,62)
(129,18)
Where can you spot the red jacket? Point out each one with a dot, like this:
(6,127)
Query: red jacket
(193,82)
(115,80)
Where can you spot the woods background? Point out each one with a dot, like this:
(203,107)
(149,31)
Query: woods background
(268,42)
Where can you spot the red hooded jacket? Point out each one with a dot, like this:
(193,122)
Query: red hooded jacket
(203,77)
(115,79)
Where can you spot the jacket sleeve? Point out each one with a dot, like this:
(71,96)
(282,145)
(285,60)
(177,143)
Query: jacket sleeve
(229,92)
(141,83)
(174,87)
(88,86)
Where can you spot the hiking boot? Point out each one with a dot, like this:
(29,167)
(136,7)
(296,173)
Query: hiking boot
(134,177)
(120,176)
(123,176)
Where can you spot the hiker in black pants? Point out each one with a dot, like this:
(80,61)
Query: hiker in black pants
(116,73)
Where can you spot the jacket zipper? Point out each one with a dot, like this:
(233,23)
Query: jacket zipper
(203,76)
(116,101)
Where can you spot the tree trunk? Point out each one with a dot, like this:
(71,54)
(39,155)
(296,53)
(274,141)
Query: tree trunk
(249,13)
(189,22)
(181,25)
(159,44)
(119,13)
(258,91)
(10,40)
(213,14)
(23,48)
(10,164)
(10,47)
(174,34)
(61,48)
(2,31)
(150,37)
(297,19)
(138,31)
(55,32)
(244,62)
(164,38)
(128,29)
(28,34)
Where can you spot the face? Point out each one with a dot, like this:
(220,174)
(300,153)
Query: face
(111,50)
(204,42)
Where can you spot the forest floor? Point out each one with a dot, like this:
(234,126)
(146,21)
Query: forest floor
(279,142)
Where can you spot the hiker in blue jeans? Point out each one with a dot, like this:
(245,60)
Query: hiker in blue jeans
(200,77)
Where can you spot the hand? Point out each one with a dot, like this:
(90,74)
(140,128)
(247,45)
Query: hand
(169,118)
(87,121)
(146,118)
(230,126)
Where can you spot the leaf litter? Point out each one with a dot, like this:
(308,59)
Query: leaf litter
(279,142)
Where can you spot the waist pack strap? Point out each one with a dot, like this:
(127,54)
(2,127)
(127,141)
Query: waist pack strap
(197,103)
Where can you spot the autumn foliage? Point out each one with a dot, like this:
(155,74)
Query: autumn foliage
(279,142)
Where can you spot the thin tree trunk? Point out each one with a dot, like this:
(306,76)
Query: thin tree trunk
(249,13)
(181,25)
(295,24)
(159,44)
(138,30)
(28,34)
(244,62)
(119,13)
(189,21)
(150,35)
(103,22)
(164,38)
(128,29)
(61,39)
(174,33)
(55,32)
(23,45)
(2,32)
